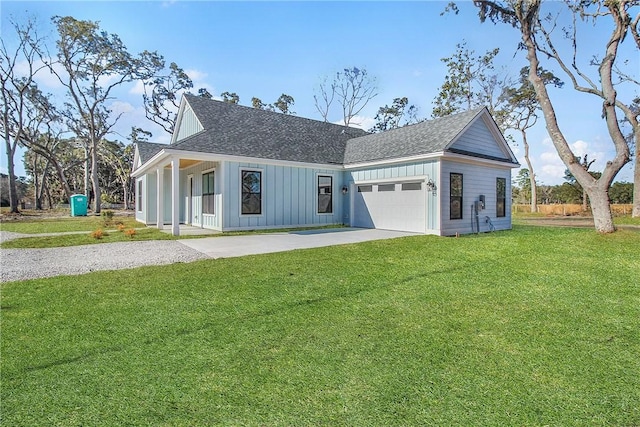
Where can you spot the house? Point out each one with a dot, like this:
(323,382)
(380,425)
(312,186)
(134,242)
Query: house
(230,167)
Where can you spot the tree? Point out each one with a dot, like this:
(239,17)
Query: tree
(400,113)
(95,63)
(230,97)
(352,88)
(524,183)
(16,86)
(162,94)
(283,104)
(621,192)
(521,107)
(537,38)
(470,83)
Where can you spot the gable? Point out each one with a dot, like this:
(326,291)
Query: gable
(478,139)
(188,124)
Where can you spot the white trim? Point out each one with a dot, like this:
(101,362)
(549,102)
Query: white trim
(396,180)
(140,193)
(262,192)
(462,158)
(213,157)
(189,208)
(384,162)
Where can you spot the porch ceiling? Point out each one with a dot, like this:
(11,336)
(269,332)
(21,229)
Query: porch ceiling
(185,163)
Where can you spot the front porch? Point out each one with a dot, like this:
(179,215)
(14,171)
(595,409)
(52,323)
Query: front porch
(170,192)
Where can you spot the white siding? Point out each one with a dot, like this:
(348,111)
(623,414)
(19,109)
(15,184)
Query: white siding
(479,139)
(477,180)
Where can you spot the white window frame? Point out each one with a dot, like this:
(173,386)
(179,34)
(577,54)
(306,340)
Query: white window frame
(140,195)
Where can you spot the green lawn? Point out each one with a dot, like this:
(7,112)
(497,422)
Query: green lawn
(532,327)
(66,224)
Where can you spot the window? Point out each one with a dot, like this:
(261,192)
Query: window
(139,201)
(365,188)
(455,190)
(251,193)
(208,195)
(501,196)
(409,186)
(386,187)
(325,201)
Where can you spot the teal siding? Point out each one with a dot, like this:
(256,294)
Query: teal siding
(479,139)
(476,180)
(288,197)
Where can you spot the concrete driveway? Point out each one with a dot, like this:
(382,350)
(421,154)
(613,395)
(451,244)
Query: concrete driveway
(253,244)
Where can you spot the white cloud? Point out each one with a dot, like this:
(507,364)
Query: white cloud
(138,88)
(196,75)
(360,122)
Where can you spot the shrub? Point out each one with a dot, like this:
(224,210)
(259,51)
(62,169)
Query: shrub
(130,233)
(121,227)
(107,216)
(98,234)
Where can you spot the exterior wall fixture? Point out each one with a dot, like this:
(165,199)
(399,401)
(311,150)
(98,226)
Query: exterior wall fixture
(431,186)
(345,189)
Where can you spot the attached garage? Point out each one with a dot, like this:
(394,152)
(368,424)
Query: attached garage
(398,206)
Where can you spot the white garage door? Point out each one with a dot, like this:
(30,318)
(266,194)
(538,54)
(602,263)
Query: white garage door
(390,206)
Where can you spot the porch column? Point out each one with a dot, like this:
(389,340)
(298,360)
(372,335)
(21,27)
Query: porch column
(175,196)
(160,198)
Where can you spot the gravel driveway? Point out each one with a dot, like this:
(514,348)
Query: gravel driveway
(22,264)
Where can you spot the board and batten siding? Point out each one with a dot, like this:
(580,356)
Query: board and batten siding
(479,139)
(189,124)
(212,221)
(476,180)
(289,197)
(428,169)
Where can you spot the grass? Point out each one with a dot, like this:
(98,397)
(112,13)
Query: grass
(537,326)
(110,236)
(66,224)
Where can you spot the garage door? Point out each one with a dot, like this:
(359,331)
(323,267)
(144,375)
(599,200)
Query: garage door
(390,206)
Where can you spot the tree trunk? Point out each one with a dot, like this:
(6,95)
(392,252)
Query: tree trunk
(97,201)
(13,189)
(532,175)
(601,210)
(636,179)
(585,204)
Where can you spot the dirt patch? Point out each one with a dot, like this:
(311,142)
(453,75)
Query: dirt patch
(559,221)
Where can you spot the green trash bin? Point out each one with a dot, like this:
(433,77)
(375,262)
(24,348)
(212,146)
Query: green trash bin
(78,205)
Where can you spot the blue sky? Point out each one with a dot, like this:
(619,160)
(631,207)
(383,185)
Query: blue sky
(264,49)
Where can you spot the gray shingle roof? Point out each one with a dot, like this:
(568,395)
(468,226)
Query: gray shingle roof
(147,150)
(232,129)
(427,137)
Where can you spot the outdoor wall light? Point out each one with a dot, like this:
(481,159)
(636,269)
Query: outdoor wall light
(345,189)
(431,186)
